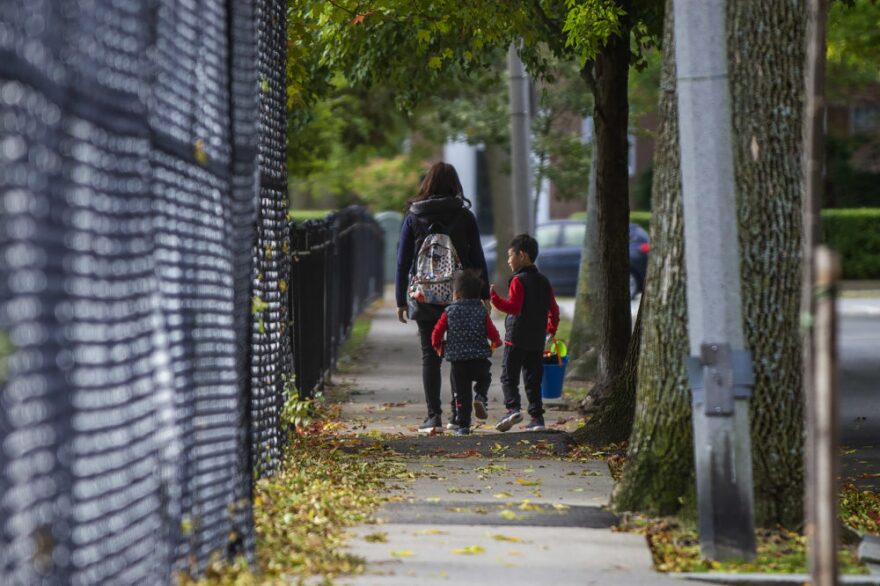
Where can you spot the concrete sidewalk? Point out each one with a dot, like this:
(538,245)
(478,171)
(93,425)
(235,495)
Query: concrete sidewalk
(487,509)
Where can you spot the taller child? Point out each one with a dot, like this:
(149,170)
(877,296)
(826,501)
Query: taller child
(532,313)
(439,202)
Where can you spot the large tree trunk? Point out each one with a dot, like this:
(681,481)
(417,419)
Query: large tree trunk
(767,44)
(766,60)
(614,419)
(611,119)
(583,346)
(659,466)
(498,166)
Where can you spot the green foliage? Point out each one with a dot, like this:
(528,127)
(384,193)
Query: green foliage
(297,412)
(850,185)
(589,23)
(305,215)
(563,157)
(855,234)
(853,46)
(386,183)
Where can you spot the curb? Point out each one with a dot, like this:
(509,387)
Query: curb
(770,579)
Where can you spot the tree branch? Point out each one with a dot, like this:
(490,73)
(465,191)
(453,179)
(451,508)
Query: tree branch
(553,27)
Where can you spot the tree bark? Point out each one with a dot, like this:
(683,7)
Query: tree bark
(582,348)
(766,40)
(614,420)
(609,82)
(766,64)
(659,466)
(498,165)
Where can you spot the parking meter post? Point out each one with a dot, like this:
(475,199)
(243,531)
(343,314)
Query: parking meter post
(719,367)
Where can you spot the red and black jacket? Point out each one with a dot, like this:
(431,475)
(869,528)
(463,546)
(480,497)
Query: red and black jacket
(530,307)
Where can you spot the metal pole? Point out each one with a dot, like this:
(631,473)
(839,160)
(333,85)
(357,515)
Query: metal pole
(823,466)
(519,142)
(719,367)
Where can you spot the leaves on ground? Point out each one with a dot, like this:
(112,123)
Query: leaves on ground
(524,482)
(402,553)
(470,550)
(378,537)
(508,538)
(860,509)
(676,548)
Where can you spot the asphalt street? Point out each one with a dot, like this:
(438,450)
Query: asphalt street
(859,361)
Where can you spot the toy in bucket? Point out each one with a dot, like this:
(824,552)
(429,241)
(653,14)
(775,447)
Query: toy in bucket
(555,360)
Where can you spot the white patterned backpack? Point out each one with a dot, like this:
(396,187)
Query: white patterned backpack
(436,266)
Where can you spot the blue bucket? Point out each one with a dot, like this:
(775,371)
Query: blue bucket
(551,383)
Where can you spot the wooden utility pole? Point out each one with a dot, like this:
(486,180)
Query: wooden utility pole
(820,273)
(823,434)
(719,367)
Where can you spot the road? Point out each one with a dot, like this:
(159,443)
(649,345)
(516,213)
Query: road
(859,360)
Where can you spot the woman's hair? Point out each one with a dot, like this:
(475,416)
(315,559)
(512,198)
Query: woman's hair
(442,180)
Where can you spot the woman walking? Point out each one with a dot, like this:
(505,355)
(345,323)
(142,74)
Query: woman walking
(438,207)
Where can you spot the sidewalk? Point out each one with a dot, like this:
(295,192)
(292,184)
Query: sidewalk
(487,509)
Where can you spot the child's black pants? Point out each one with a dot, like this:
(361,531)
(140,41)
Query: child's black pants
(529,363)
(469,377)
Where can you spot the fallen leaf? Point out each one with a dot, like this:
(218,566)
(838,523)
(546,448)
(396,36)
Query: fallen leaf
(502,495)
(469,550)
(510,538)
(402,553)
(524,482)
(379,537)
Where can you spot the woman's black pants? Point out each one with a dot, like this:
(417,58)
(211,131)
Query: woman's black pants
(431,370)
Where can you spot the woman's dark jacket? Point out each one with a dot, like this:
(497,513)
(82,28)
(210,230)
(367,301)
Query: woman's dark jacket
(465,236)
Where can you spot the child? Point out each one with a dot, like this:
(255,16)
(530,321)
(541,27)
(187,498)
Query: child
(531,314)
(466,324)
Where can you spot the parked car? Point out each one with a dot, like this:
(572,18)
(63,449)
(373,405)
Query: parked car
(559,255)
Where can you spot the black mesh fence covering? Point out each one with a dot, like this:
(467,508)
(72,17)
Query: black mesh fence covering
(127,205)
(337,270)
(271,353)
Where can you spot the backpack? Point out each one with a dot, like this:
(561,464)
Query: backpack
(435,267)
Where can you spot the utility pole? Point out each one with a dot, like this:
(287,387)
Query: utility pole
(520,147)
(719,367)
(820,272)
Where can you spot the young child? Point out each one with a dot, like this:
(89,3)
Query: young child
(531,314)
(467,325)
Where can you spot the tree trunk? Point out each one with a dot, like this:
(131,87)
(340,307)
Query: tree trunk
(498,165)
(766,40)
(614,420)
(611,120)
(582,348)
(766,61)
(659,466)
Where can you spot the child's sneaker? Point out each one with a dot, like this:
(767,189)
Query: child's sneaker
(536,424)
(431,425)
(462,430)
(480,408)
(509,420)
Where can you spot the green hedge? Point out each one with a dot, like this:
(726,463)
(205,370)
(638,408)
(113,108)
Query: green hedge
(855,233)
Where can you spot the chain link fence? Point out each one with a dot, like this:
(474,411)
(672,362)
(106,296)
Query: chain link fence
(144,288)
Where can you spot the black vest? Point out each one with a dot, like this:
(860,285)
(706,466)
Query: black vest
(528,329)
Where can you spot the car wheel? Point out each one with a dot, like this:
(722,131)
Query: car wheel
(633,286)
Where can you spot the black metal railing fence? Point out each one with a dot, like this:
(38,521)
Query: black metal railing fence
(336,271)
